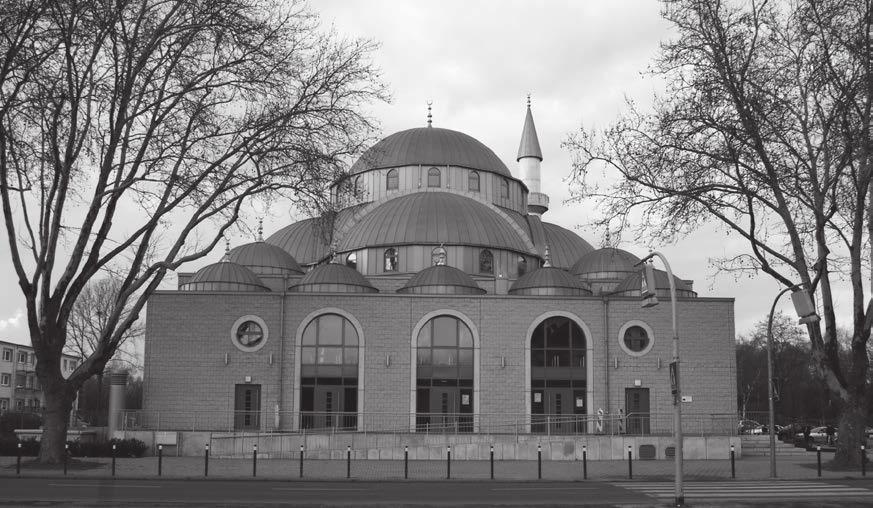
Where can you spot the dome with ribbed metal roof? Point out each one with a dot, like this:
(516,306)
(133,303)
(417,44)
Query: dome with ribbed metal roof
(433,218)
(333,278)
(549,281)
(631,285)
(308,240)
(430,146)
(565,245)
(607,260)
(224,276)
(441,280)
(264,259)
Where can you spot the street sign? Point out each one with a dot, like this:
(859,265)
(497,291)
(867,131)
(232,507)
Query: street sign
(674,381)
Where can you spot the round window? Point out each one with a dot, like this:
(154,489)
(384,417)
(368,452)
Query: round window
(636,338)
(249,333)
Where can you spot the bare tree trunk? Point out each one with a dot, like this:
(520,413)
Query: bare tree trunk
(851,435)
(58,404)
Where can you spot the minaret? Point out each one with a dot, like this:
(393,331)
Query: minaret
(529,159)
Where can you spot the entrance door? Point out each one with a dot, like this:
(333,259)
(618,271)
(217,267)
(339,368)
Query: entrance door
(247,407)
(560,409)
(328,407)
(636,404)
(444,407)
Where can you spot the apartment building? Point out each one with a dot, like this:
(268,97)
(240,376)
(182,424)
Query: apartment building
(19,386)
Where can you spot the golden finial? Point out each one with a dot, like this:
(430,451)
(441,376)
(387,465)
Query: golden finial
(547,255)
(261,229)
(528,99)
(429,116)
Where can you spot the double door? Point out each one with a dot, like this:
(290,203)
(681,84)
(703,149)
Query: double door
(329,406)
(247,407)
(445,409)
(558,410)
(637,411)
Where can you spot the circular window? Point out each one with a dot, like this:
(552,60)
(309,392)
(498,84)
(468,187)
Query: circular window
(636,338)
(249,333)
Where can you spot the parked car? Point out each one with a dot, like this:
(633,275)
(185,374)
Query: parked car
(750,427)
(817,435)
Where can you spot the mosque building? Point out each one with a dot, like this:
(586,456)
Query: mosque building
(435,299)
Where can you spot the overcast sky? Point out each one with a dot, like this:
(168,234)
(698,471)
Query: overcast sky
(477,61)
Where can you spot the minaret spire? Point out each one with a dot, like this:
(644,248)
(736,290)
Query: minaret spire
(429,116)
(530,158)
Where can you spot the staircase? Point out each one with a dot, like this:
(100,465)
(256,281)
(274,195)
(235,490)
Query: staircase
(759,446)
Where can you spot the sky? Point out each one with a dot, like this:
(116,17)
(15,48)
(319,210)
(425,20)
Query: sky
(477,61)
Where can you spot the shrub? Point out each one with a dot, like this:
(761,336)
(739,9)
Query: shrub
(123,448)
(9,446)
(11,420)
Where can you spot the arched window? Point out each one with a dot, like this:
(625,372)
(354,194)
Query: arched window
(329,373)
(392,182)
(444,376)
(473,181)
(438,256)
(433,177)
(359,188)
(504,189)
(522,266)
(486,261)
(352,260)
(391,260)
(558,377)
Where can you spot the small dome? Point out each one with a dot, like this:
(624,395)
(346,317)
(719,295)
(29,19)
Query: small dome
(607,260)
(549,281)
(631,286)
(224,276)
(264,259)
(430,146)
(565,246)
(441,280)
(303,240)
(333,278)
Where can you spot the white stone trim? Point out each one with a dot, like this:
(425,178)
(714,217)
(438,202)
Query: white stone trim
(413,362)
(243,319)
(589,362)
(644,326)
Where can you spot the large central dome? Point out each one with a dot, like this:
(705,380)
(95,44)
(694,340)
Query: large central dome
(430,146)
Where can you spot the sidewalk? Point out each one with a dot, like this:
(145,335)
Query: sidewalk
(752,468)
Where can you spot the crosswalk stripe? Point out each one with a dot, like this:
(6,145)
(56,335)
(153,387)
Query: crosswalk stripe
(726,490)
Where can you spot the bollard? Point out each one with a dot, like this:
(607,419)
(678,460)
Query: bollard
(492,462)
(206,461)
(113,459)
(160,458)
(301,461)
(863,462)
(448,462)
(348,461)
(630,463)
(818,458)
(584,462)
(18,461)
(733,467)
(406,462)
(539,462)
(254,460)
(66,453)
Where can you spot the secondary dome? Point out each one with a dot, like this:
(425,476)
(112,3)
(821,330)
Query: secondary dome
(565,246)
(308,240)
(549,281)
(433,218)
(441,280)
(430,146)
(607,260)
(631,286)
(264,259)
(224,276)
(333,278)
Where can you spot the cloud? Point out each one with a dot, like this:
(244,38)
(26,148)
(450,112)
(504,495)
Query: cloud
(12,322)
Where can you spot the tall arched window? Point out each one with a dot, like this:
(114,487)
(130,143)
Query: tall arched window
(473,181)
(486,261)
(504,189)
(444,376)
(329,374)
(433,177)
(352,260)
(558,376)
(359,188)
(438,256)
(392,182)
(390,260)
(522,266)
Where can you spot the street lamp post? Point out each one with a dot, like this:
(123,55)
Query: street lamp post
(648,291)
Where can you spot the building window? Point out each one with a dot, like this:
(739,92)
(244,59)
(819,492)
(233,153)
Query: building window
(473,181)
(433,177)
(352,260)
(22,357)
(522,266)
(635,338)
(4,405)
(329,373)
(392,182)
(5,379)
(438,256)
(7,355)
(19,404)
(249,333)
(391,260)
(444,376)
(35,403)
(504,189)
(486,261)
(558,377)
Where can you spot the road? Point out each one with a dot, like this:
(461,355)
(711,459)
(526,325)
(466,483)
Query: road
(82,492)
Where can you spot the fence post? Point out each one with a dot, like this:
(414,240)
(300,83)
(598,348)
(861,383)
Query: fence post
(206,461)
(733,465)
(301,461)
(66,453)
(18,461)
(348,461)
(492,461)
(160,458)
(584,462)
(818,458)
(863,462)
(113,459)
(406,462)
(448,462)
(630,463)
(539,462)
(254,460)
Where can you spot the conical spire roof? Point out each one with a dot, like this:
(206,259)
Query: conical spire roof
(530,144)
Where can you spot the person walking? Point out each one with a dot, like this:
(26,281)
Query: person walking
(830,431)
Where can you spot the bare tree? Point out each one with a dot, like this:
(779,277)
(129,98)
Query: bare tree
(133,132)
(764,127)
